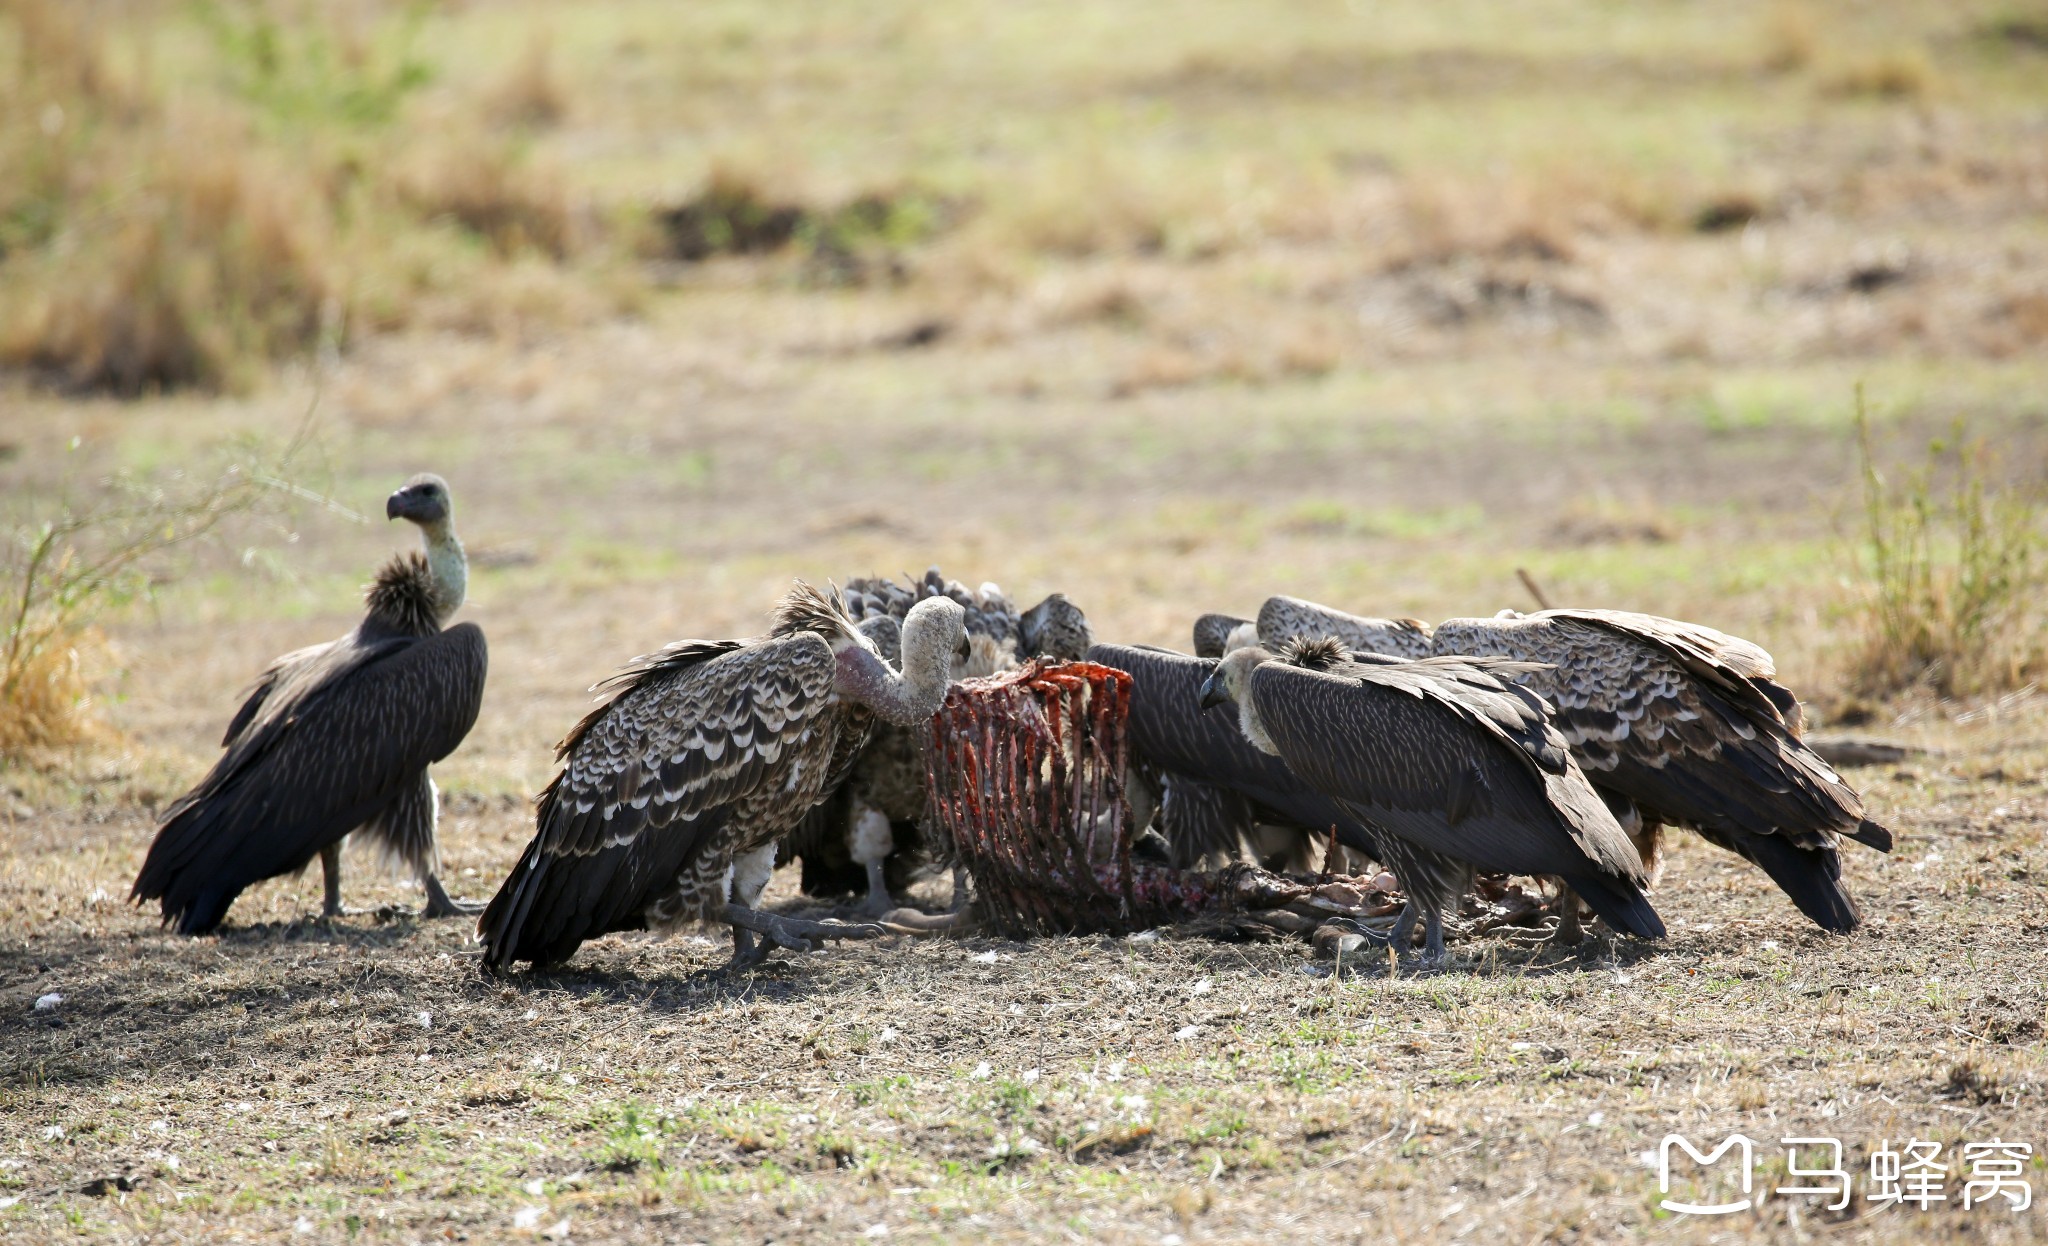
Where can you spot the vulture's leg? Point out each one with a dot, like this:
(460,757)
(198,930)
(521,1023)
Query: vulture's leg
(1571,927)
(330,875)
(795,933)
(1402,937)
(441,904)
(750,874)
(1434,955)
(871,839)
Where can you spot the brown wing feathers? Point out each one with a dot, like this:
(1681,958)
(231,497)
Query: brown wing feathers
(329,747)
(705,749)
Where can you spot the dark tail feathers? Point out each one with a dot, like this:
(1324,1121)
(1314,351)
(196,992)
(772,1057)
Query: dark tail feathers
(1872,834)
(1622,904)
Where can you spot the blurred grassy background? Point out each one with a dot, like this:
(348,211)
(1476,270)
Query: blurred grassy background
(1168,305)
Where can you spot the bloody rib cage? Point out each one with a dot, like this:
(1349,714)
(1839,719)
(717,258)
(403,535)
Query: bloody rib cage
(1026,774)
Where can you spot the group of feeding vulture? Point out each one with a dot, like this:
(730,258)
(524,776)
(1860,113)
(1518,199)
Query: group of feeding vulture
(1557,744)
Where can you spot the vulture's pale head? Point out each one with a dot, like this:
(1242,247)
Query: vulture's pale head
(933,632)
(1230,682)
(424,500)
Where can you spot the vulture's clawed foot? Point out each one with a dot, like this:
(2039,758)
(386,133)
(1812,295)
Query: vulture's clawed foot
(441,904)
(795,933)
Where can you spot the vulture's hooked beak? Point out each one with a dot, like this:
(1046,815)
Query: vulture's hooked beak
(421,503)
(1213,691)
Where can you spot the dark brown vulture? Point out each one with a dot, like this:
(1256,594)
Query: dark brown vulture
(1676,724)
(336,739)
(1446,755)
(1691,726)
(1054,628)
(673,793)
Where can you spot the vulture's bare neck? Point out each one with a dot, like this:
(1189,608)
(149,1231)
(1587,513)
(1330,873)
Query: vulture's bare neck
(448,565)
(907,698)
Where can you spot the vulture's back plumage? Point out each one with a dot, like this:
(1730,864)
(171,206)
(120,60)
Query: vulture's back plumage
(1691,725)
(707,750)
(1449,756)
(1219,787)
(1286,619)
(331,739)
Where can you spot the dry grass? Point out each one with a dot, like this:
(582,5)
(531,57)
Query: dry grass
(1894,73)
(1956,571)
(490,190)
(531,93)
(48,699)
(1163,307)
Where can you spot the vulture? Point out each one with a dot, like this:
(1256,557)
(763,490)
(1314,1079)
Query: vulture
(1215,790)
(1687,726)
(336,739)
(673,793)
(871,824)
(1446,755)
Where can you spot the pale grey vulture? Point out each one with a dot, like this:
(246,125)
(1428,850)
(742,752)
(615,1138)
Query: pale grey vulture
(1448,756)
(336,739)
(1688,727)
(673,793)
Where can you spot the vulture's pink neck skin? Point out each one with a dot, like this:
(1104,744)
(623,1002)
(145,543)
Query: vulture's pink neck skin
(865,677)
(931,632)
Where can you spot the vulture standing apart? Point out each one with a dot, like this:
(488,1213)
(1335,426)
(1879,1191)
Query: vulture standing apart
(673,793)
(872,822)
(1679,724)
(1447,755)
(336,739)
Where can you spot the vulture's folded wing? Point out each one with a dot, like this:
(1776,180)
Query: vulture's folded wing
(1465,771)
(1282,619)
(1694,739)
(327,751)
(1169,727)
(693,734)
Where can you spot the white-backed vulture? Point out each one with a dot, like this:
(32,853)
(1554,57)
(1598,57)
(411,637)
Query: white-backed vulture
(1690,726)
(1218,790)
(673,793)
(336,739)
(1450,757)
